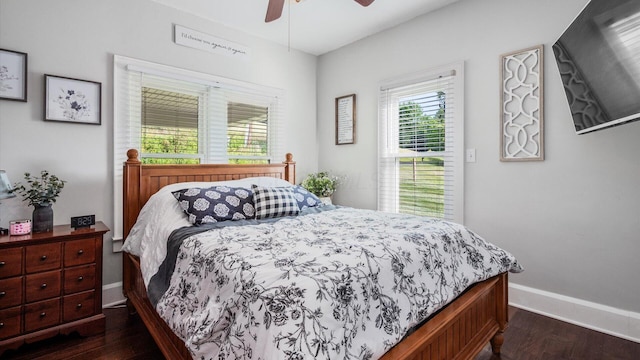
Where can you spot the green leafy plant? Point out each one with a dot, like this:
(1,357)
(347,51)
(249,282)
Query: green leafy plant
(40,191)
(321,184)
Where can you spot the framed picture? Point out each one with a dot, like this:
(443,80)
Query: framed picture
(521,104)
(13,75)
(346,119)
(72,100)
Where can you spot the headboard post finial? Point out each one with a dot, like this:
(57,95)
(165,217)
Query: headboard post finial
(132,156)
(290,170)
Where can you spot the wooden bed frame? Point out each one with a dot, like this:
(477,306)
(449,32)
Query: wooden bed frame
(458,331)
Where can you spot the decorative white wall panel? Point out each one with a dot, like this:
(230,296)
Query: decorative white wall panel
(521,99)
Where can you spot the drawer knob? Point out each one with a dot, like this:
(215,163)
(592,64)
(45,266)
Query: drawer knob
(2,263)
(1,325)
(3,293)
(80,252)
(80,278)
(79,306)
(43,286)
(43,314)
(43,257)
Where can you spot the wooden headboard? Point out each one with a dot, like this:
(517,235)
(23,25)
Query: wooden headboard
(140,181)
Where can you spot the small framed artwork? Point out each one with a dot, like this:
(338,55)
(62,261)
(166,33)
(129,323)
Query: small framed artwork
(72,100)
(13,75)
(521,104)
(346,119)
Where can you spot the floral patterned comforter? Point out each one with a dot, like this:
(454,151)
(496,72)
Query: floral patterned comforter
(339,284)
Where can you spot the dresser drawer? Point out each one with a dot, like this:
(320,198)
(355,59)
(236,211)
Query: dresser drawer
(41,314)
(79,278)
(42,286)
(79,252)
(43,257)
(10,322)
(10,262)
(79,306)
(10,292)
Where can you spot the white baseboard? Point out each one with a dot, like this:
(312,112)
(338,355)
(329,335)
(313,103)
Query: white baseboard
(602,318)
(112,295)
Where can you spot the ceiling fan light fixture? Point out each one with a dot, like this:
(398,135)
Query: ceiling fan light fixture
(274,9)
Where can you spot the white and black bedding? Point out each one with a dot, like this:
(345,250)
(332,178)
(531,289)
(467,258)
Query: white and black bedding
(329,283)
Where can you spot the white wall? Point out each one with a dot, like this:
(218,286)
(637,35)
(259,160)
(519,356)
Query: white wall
(572,220)
(78,38)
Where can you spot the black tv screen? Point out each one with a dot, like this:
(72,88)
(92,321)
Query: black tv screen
(599,61)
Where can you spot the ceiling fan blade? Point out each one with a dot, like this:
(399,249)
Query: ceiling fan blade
(364,2)
(274,10)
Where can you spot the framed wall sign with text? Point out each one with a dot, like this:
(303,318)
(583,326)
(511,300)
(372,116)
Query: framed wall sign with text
(346,119)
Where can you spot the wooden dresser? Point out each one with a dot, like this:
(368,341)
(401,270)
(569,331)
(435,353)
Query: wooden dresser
(50,283)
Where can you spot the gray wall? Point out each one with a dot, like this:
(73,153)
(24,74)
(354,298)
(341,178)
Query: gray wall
(573,220)
(78,38)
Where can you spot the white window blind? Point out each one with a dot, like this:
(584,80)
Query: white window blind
(173,115)
(421,144)
(170,126)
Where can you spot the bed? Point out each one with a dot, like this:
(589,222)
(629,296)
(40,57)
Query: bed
(458,330)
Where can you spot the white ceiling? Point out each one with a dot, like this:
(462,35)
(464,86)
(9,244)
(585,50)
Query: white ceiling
(316,26)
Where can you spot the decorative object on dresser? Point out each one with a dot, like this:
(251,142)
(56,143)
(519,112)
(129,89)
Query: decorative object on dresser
(79,222)
(521,103)
(13,75)
(50,284)
(41,192)
(19,227)
(5,193)
(72,100)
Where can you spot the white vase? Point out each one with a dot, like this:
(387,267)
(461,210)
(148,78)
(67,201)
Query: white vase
(326,200)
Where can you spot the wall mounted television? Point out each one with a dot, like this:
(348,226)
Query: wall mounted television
(599,61)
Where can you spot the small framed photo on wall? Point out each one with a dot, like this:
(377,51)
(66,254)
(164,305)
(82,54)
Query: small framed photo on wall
(13,75)
(72,100)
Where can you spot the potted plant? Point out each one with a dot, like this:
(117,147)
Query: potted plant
(321,184)
(40,192)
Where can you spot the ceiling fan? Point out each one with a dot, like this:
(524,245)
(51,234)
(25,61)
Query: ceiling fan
(274,10)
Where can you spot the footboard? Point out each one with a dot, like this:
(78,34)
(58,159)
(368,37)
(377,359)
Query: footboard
(463,328)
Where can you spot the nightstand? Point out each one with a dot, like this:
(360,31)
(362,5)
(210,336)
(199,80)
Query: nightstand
(51,283)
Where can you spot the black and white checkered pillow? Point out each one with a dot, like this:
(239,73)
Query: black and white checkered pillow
(273,202)
(217,203)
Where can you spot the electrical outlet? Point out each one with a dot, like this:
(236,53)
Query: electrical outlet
(471,155)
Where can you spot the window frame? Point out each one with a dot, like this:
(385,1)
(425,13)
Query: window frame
(388,136)
(127,134)
(201,93)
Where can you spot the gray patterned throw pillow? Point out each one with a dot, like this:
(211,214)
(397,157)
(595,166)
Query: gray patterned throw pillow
(217,203)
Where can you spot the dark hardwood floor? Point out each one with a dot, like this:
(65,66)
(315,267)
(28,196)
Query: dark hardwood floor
(529,336)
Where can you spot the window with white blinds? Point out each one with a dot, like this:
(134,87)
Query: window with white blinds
(420,167)
(173,115)
(247,132)
(169,124)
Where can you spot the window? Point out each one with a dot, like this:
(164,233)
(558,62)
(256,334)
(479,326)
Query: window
(177,116)
(247,132)
(421,144)
(169,127)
